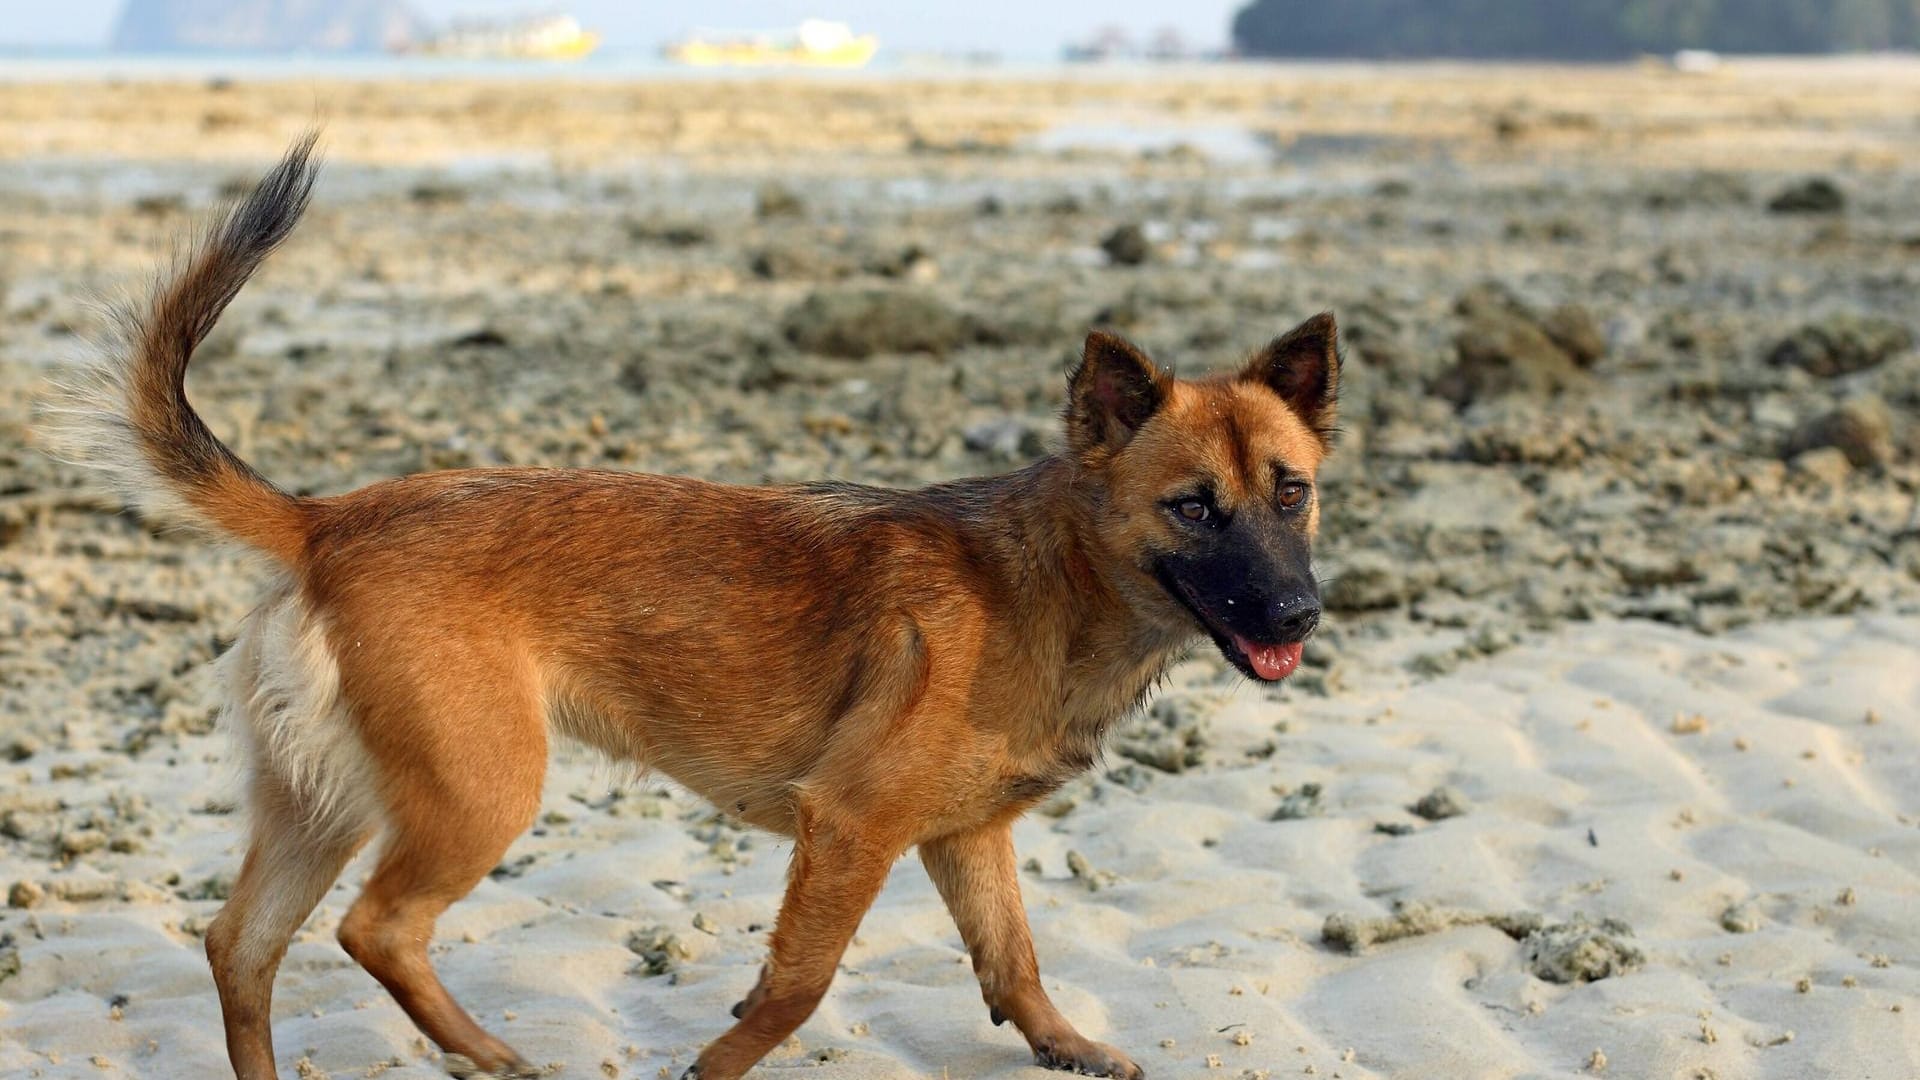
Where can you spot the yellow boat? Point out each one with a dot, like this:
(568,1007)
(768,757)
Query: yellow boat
(815,43)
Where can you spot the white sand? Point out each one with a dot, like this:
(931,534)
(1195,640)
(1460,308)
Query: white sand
(1205,944)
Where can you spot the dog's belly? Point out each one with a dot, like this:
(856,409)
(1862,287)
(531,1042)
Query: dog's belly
(744,763)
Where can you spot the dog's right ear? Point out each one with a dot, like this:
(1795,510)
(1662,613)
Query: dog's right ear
(1114,390)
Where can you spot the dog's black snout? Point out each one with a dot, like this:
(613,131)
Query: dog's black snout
(1295,618)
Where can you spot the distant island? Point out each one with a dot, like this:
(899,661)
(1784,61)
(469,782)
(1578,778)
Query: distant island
(1568,29)
(266,26)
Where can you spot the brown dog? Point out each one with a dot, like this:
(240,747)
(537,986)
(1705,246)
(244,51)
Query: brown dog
(863,670)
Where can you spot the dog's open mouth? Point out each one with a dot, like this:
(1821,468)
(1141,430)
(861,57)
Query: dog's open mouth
(1257,660)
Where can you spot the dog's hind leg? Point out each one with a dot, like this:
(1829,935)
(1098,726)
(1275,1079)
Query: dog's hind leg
(291,861)
(310,803)
(463,780)
(976,875)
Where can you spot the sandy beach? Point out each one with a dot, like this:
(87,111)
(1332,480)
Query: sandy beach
(1607,761)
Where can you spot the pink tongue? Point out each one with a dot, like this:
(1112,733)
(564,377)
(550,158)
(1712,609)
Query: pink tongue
(1272,662)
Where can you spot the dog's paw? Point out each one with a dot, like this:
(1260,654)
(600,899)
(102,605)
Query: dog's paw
(1084,1057)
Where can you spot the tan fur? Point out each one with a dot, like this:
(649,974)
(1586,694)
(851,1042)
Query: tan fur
(860,669)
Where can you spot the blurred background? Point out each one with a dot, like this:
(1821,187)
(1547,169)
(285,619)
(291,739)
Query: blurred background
(1661,247)
(988,32)
(1629,293)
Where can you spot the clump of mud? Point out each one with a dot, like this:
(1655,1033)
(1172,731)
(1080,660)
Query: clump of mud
(1440,804)
(1575,951)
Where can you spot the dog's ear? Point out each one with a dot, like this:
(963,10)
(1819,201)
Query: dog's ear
(1303,367)
(1114,390)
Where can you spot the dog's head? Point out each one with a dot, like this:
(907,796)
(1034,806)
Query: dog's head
(1206,487)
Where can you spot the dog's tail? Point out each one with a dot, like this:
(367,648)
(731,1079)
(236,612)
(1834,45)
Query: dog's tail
(122,407)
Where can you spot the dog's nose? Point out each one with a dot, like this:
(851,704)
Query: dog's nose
(1296,618)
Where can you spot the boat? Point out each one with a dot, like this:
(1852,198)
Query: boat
(542,37)
(814,43)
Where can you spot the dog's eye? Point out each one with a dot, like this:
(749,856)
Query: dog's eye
(1193,509)
(1291,495)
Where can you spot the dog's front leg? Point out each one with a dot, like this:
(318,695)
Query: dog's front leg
(839,865)
(976,875)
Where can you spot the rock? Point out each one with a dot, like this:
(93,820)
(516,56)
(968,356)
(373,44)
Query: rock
(776,200)
(1295,805)
(1504,347)
(1506,431)
(1368,581)
(1842,343)
(1675,268)
(1505,354)
(1490,298)
(1859,429)
(1440,804)
(1577,332)
(680,234)
(1127,245)
(216,887)
(432,193)
(911,261)
(1740,919)
(1435,663)
(82,841)
(1410,918)
(798,262)
(1827,465)
(1133,777)
(1814,195)
(1372,329)
(1581,952)
(26,894)
(1701,189)
(1558,230)
(855,325)
(636,375)
(1166,737)
(762,374)
(485,337)
(1085,873)
(159,205)
(1064,205)
(660,950)
(1652,566)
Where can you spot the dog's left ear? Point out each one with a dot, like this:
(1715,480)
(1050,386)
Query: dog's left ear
(1303,367)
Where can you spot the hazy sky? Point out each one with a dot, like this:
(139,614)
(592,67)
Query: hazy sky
(1013,27)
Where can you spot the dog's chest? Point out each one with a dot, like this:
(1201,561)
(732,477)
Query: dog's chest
(1066,735)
